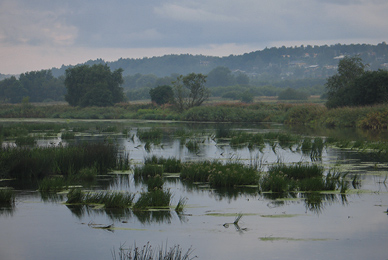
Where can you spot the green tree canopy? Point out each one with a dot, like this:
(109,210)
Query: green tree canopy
(339,86)
(353,86)
(37,85)
(162,94)
(190,91)
(93,85)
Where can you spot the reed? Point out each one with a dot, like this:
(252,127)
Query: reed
(108,198)
(155,183)
(7,196)
(147,252)
(147,171)
(54,183)
(39,162)
(153,199)
(153,134)
(181,205)
(220,175)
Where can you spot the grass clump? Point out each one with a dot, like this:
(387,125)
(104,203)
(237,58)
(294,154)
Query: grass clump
(220,175)
(301,177)
(153,199)
(108,198)
(181,205)
(153,134)
(53,183)
(147,171)
(7,197)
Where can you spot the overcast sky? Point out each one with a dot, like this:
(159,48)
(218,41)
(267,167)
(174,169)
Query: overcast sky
(40,34)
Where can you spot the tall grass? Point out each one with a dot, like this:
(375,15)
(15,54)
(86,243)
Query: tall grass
(38,162)
(108,198)
(153,199)
(301,177)
(220,175)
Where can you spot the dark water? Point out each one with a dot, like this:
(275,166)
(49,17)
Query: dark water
(350,227)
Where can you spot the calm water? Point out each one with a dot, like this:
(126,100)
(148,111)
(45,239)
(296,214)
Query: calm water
(352,227)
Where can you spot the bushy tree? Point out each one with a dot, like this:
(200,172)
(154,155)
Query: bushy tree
(339,86)
(353,86)
(370,88)
(162,94)
(190,91)
(93,85)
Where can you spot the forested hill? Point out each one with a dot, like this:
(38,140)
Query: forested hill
(286,62)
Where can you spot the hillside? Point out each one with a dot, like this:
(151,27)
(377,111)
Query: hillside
(284,62)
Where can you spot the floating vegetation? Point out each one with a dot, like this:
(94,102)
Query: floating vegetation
(147,252)
(272,239)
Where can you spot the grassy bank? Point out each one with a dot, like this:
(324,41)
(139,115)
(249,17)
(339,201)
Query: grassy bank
(371,117)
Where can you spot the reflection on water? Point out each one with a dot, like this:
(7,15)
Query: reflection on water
(351,225)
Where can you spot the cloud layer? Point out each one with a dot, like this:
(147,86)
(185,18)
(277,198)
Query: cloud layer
(51,33)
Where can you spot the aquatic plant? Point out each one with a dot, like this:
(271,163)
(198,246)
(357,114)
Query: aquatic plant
(147,171)
(220,175)
(110,199)
(155,182)
(66,135)
(53,183)
(193,145)
(153,199)
(39,162)
(7,196)
(75,196)
(181,205)
(25,140)
(152,134)
(148,253)
(171,165)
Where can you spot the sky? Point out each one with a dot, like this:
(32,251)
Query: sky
(42,34)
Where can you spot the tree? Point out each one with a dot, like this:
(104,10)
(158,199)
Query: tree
(162,94)
(339,86)
(190,91)
(370,88)
(93,86)
(220,76)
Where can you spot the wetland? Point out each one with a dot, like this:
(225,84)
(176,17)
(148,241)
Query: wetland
(90,189)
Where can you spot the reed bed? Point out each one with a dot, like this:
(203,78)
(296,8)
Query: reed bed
(220,175)
(153,199)
(39,162)
(302,177)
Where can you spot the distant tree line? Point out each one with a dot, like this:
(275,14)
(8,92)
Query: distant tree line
(294,62)
(38,86)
